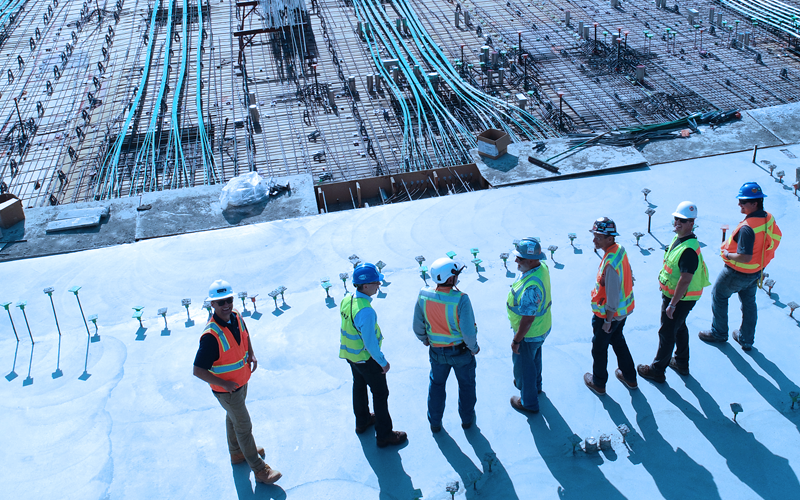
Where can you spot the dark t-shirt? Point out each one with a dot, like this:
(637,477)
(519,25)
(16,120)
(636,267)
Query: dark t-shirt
(208,352)
(746,237)
(689,261)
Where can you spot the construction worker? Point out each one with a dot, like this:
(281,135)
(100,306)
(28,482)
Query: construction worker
(225,360)
(682,280)
(748,250)
(361,341)
(612,302)
(444,320)
(528,306)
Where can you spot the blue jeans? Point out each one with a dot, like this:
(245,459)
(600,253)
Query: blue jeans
(729,282)
(528,372)
(461,360)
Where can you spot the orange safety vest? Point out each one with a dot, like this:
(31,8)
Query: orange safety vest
(441,316)
(617,258)
(768,237)
(232,363)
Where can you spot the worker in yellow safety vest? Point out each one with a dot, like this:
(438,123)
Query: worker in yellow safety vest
(528,306)
(225,360)
(360,344)
(444,320)
(682,279)
(746,252)
(612,302)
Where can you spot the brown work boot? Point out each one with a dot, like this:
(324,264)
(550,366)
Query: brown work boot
(267,475)
(395,438)
(588,379)
(708,336)
(370,423)
(237,458)
(630,385)
(648,372)
(516,403)
(679,367)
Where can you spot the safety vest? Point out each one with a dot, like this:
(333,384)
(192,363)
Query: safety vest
(351,345)
(617,258)
(670,274)
(441,316)
(232,363)
(539,278)
(768,237)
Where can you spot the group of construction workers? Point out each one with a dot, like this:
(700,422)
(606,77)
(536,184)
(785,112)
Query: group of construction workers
(444,321)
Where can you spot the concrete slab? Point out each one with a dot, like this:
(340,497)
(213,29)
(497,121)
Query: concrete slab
(514,167)
(171,212)
(198,209)
(781,121)
(732,137)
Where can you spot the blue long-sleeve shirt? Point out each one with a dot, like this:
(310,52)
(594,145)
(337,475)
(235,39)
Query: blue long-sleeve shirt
(365,321)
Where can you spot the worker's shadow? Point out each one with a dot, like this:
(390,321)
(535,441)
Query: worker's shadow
(393,480)
(577,475)
(469,473)
(778,398)
(749,460)
(657,456)
(244,488)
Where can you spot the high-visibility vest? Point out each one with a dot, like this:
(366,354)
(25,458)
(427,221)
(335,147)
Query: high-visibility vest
(441,316)
(351,345)
(539,278)
(232,363)
(671,273)
(617,258)
(768,237)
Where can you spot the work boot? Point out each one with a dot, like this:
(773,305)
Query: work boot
(738,339)
(466,426)
(237,458)
(370,423)
(621,378)
(395,438)
(267,475)
(588,379)
(679,367)
(516,402)
(648,372)
(708,336)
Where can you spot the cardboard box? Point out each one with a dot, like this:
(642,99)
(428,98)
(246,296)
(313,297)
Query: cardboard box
(493,143)
(10,210)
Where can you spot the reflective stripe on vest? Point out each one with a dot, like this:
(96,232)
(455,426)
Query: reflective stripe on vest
(351,346)
(232,362)
(670,275)
(617,258)
(441,316)
(541,279)
(767,238)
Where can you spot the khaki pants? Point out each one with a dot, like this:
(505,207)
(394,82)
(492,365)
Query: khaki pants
(239,427)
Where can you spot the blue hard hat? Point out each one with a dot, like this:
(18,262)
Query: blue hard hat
(751,191)
(529,248)
(366,273)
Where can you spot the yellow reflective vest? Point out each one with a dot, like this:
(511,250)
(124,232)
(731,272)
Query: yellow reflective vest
(670,274)
(351,345)
(539,278)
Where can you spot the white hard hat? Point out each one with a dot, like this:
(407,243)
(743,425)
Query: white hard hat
(442,269)
(219,290)
(686,210)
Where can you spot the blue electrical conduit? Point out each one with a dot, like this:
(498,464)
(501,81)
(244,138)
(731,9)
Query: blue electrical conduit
(209,164)
(174,147)
(108,180)
(147,156)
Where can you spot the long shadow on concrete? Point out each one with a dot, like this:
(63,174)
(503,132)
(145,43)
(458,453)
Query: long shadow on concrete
(244,488)
(497,480)
(769,475)
(469,473)
(676,475)
(579,475)
(778,398)
(394,482)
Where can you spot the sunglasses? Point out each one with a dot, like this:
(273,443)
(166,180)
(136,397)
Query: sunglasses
(229,300)
(682,221)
